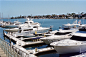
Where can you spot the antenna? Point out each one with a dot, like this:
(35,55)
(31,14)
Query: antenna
(8,17)
(83,21)
(2,16)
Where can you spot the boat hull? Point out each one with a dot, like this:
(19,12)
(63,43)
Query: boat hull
(10,26)
(12,30)
(70,49)
(54,39)
(25,34)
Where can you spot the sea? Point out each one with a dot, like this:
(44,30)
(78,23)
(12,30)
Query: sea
(55,23)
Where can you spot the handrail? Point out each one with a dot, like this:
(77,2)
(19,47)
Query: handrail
(10,51)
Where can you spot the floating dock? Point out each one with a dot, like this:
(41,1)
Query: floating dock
(18,48)
(36,51)
(20,42)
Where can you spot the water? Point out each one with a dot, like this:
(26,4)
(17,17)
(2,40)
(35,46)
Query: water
(56,23)
(37,46)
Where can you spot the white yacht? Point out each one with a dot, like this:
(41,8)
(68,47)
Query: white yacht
(75,44)
(27,24)
(61,34)
(27,31)
(10,24)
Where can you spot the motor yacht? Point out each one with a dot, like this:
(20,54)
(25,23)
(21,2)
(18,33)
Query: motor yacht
(62,33)
(31,30)
(75,44)
(10,24)
(27,24)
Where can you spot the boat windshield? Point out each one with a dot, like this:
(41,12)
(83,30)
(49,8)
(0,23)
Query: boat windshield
(83,28)
(66,28)
(78,38)
(26,22)
(59,33)
(69,27)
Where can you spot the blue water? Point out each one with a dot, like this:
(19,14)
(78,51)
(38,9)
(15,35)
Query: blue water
(55,23)
(38,47)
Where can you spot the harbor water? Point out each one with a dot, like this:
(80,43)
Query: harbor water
(55,23)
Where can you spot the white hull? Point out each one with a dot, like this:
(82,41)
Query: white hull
(27,33)
(10,26)
(17,29)
(12,30)
(49,40)
(70,49)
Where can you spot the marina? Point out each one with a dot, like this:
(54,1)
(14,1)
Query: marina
(42,28)
(32,45)
(20,46)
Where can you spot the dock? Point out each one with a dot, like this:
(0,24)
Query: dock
(20,42)
(23,51)
(36,51)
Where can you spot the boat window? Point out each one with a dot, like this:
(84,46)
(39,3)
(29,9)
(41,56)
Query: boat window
(30,22)
(82,28)
(26,22)
(35,27)
(78,38)
(16,24)
(66,28)
(59,33)
(27,29)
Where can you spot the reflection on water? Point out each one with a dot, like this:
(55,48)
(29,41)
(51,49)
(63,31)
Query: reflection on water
(48,54)
(37,46)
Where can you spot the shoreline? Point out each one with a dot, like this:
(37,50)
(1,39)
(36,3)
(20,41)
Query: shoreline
(46,18)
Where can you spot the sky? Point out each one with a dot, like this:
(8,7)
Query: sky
(40,7)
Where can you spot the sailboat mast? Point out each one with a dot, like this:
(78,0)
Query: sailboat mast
(2,16)
(8,18)
(83,21)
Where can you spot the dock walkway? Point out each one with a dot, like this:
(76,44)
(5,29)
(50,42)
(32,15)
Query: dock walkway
(23,51)
(20,42)
(2,54)
(41,50)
